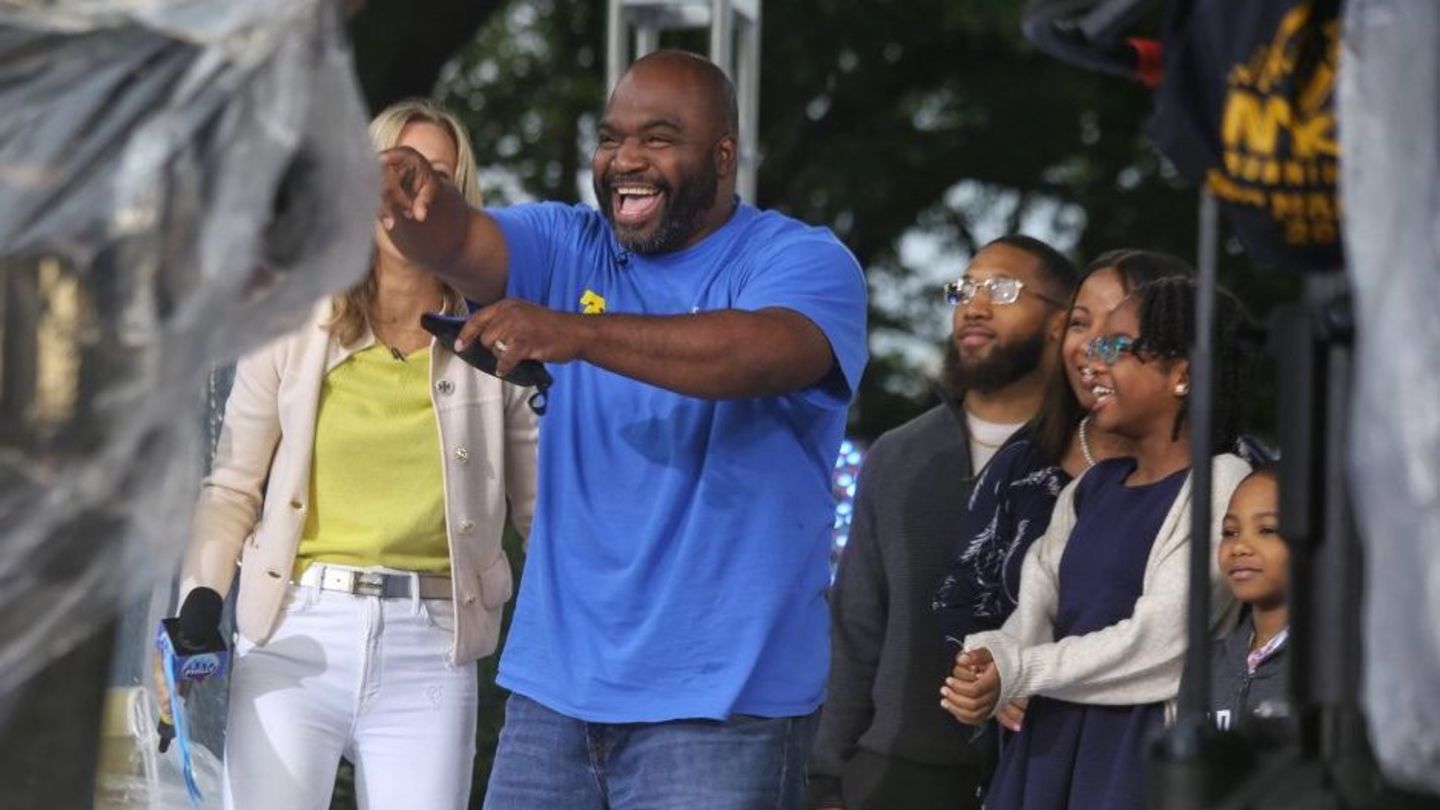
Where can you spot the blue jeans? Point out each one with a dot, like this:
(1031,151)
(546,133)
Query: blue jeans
(548,761)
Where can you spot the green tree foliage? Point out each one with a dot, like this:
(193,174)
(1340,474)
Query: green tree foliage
(400,47)
(529,87)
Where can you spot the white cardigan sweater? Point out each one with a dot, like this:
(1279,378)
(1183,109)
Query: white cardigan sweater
(1135,661)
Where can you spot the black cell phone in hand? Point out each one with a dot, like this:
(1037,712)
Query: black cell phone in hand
(529,373)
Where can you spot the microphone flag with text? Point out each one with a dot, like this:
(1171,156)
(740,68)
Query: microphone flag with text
(191,650)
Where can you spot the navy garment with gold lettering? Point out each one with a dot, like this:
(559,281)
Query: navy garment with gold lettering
(1246,109)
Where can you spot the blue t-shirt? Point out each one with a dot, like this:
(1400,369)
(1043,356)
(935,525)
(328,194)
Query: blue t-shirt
(679,555)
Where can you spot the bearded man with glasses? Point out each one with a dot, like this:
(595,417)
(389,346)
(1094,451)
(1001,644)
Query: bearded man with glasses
(883,741)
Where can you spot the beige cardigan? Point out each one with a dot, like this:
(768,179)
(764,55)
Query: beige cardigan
(1137,660)
(487,445)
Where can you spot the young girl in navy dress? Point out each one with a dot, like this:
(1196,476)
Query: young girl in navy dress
(1097,640)
(1011,502)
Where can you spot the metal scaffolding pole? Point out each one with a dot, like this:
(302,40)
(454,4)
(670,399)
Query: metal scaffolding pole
(634,29)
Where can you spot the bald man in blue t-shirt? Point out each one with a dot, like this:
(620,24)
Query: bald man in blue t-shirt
(670,642)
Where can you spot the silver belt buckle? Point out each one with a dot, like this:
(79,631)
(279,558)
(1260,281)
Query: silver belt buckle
(368,583)
(337,579)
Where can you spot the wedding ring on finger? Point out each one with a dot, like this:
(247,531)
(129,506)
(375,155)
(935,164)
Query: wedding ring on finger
(501,347)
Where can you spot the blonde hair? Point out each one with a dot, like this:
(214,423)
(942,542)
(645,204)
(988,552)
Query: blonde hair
(350,310)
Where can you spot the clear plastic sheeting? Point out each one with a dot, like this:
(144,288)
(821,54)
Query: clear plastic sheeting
(1389,117)
(179,182)
(133,775)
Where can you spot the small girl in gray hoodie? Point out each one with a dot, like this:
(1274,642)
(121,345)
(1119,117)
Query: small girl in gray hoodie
(1249,676)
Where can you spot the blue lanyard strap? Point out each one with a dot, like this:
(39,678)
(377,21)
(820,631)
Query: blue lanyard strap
(182,737)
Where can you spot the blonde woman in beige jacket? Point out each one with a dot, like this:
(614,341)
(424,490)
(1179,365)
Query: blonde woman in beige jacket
(361,484)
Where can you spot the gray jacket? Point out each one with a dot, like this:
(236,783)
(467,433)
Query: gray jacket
(888,657)
(1236,695)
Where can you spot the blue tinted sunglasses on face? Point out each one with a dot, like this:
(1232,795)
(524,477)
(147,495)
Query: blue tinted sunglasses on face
(1107,349)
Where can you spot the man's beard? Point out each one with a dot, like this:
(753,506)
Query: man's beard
(686,204)
(1006,363)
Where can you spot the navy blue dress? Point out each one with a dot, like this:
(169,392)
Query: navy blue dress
(1072,755)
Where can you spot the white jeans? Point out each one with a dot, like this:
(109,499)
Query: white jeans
(361,677)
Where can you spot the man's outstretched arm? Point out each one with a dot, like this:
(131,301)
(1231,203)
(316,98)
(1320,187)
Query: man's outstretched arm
(431,224)
(716,355)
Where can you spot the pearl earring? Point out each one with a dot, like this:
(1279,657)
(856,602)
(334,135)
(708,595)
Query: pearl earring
(1182,389)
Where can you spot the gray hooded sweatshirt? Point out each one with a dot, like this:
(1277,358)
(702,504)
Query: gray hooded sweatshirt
(1236,694)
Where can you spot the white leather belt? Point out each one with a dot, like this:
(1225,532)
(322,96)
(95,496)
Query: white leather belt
(362,582)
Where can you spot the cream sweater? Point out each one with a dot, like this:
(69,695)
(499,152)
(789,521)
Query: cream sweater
(1135,661)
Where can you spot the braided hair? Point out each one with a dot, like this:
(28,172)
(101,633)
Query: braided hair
(1061,413)
(1167,330)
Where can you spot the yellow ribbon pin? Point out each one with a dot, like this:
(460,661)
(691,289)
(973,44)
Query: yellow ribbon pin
(591,303)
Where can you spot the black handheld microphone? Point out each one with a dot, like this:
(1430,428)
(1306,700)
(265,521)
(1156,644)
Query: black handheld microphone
(191,650)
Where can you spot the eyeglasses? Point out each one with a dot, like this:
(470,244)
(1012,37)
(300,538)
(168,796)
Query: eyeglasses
(1000,289)
(1107,349)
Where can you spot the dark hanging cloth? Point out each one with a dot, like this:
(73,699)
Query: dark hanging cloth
(1247,110)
